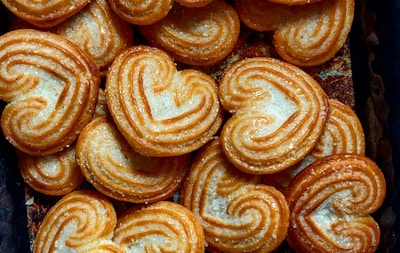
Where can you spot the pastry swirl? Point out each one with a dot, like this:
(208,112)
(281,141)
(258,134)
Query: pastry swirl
(342,134)
(330,202)
(304,35)
(315,33)
(160,227)
(56,174)
(78,219)
(196,36)
(140,12)
(237,213)
(51,86)
(99,32)
(279,113)
(44,13)
(159,110)
(113,168)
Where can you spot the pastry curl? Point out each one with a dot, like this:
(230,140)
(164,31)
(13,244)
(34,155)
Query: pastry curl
(51,86)
(196,36)
(159,110)
(237,213)
(116,170)
(43,13)
(330,204)
(141,12)
(160,227)
(279,113)
(77,220)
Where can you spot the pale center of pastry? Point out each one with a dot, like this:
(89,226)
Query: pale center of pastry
(164,103)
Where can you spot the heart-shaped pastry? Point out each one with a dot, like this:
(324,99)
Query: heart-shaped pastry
(237,213)
(198,36)
(279,112)
(140,12)
(342,134)
(78,221)
(44,13)
(99,32)
(304,35)
(56,174)
(159,227)
(330,204)
(159,110)
(116,170)
(51,86)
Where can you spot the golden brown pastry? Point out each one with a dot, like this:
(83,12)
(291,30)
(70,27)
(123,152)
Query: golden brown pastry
(160,227)
(237,213)
(304,35)
(316,33)
(116,170)
(141,12)
(44,13)
(279,113)
(330,204)
(261,15)
(196,36)
(51,87)
(99,32)
(342,134)
(159,110)
(194,3)
(56,174)
(79,220)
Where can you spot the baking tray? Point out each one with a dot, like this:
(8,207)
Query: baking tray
(374,72)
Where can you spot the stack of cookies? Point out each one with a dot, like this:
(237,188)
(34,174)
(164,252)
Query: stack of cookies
(154,134)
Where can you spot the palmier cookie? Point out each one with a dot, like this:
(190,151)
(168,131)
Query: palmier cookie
(279,113)
(44,13)
(330,204)
(194,3)
(99,32)
(159,227)
(237,213)
(141,12)
(342,134)
(57,174)
(114,169)
(304,35)
(51,86)
(159,110)
(196,36)
(81,221)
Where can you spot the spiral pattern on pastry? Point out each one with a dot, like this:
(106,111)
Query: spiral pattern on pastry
(159,110)
(160,227)
(330,203)
(99,32)
(113,168)
(52,88)
(315,33)
(261,15)
(237,213)
(56,174)
(78,219)
(342,134)
(42,13)
(279,114)
(141,12)
(196,36)
(102,246)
